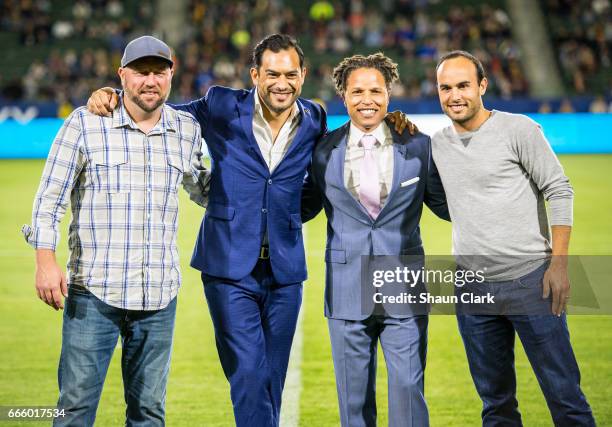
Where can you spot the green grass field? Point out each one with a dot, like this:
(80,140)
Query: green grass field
(198,394)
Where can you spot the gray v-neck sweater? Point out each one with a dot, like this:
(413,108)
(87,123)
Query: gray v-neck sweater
(496,180)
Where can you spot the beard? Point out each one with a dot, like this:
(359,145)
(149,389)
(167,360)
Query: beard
(147,107)
(279,107)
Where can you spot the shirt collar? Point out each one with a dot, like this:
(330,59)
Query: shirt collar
(167,121)
(259,109)
(381,133)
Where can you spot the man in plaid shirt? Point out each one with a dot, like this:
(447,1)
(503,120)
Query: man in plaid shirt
(121,175)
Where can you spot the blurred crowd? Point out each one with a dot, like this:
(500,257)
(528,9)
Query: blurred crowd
(413,33)
(218,38)
(40,21)
(75,46)
(30,19)
(220,35)
(582,32)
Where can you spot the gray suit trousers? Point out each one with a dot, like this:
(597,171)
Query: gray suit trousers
(354,347)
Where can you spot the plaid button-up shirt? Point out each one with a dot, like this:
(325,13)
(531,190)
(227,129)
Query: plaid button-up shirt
(122,185)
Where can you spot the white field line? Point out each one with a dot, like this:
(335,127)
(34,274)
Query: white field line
(290,409)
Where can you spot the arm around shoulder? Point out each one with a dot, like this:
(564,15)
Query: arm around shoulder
(199,109)
(435,196)
(312,199)
(196,178)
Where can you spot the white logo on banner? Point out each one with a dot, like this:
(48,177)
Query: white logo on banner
(22,117)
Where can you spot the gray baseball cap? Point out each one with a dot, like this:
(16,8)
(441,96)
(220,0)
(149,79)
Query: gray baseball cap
(146,46)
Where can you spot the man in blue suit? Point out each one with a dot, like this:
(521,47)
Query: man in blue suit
(250,249)
(372,183)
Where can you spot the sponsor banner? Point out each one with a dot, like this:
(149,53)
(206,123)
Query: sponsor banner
(567,133)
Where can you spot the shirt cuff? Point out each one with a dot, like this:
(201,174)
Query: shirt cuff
(40,238)
(561,211)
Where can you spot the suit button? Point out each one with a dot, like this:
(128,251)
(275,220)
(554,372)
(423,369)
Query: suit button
(264,210)
(269,182)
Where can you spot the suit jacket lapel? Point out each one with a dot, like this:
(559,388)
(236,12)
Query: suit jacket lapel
(245,110)
(337,160)
(399,154)
(305,122)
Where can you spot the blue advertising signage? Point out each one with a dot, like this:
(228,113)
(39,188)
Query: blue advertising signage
(567,133)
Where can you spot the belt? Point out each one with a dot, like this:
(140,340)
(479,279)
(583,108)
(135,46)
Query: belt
(264,252)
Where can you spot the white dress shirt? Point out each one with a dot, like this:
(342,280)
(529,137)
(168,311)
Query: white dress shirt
(383,151)
(273,150)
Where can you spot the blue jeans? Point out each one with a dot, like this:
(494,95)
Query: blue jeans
(255,320)
(89,336)
(489,344)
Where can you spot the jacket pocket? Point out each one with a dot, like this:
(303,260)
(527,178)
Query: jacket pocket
(295,221)
(335,255)
(215,210)
(414,250)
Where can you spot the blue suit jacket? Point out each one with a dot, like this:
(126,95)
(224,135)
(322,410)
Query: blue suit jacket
(351,232)
(245,198)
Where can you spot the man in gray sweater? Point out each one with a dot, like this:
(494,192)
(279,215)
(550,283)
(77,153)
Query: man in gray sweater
(497,169)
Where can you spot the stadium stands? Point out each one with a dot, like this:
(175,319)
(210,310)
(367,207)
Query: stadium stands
(411,32)
(60,50)
(582,33)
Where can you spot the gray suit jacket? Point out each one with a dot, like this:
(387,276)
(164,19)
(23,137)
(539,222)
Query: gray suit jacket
(351,232)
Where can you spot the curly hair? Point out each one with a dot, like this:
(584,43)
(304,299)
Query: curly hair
(377,61)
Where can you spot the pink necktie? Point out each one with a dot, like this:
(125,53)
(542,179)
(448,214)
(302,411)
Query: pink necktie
(369,186)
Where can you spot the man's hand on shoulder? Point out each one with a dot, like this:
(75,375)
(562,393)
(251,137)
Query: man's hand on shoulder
(401,122)
(103,101)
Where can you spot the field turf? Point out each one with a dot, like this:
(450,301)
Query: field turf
(198,394)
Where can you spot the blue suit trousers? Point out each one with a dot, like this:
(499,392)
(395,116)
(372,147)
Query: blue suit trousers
(255,320)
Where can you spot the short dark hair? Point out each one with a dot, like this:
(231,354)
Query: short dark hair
(377,61)
(480,73)
(276,43)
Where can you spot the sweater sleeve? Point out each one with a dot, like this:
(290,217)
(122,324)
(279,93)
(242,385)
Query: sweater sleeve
(544,169)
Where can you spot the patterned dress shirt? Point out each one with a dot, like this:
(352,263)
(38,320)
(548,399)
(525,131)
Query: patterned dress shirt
(122,185)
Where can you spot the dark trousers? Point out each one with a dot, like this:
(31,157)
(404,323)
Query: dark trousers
(489,344)
(255,320)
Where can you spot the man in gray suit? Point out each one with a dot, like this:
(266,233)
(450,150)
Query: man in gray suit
(372,183)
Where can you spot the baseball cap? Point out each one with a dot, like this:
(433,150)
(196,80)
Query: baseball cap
(146,46)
